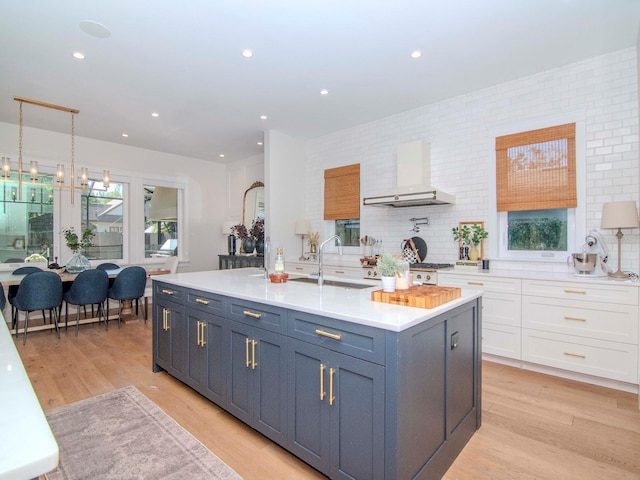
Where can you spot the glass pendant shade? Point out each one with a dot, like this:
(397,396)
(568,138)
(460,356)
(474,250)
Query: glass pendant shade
(33,170)
(60,173)
(6,167)
(84,176)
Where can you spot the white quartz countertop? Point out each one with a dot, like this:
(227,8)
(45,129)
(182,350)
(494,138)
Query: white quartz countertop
(534,275)
(353,305)
(29,448)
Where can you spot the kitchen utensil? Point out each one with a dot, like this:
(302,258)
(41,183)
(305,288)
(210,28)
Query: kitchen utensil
(584,263)
(419,246)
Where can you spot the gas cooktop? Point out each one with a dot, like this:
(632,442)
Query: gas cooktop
(429,266)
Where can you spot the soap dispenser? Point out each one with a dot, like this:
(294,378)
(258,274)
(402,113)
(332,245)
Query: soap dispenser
(279,263)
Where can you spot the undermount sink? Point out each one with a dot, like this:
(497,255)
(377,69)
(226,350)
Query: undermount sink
(331,283)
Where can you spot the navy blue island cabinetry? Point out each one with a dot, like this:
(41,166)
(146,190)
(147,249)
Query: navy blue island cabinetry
(351,399)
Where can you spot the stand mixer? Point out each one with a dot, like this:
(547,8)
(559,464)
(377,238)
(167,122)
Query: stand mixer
(594,244)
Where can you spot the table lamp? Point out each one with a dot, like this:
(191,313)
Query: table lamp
(302,228)
(619,215)
(227,229)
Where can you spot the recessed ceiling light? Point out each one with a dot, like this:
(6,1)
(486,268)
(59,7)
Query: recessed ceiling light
(416,54)
(78,55)
(260,143)
(263,117)
(222,155)
(324,91)
(246,53)
(155,114)
(125,135)
(95,29)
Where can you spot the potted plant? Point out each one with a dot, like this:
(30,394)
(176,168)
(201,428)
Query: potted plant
(257,232)
(387,266)
(314,238)
(78,262)
(247,242)
(470,237)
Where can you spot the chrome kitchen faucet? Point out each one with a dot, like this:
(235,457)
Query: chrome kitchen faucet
(337,237)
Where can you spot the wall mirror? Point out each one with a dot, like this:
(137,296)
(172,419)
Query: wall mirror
(253,204)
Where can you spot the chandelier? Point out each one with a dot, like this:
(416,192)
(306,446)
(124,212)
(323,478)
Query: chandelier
(33,165)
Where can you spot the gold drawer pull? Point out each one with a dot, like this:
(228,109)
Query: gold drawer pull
(578,319)
(299,268)
(571,290)
(249,313)
(254,364)
(247,363)
(339,271)
(332,398)
(579,355)
(322,392)
(167,292)
(202,301)
(475,283)
(335,336)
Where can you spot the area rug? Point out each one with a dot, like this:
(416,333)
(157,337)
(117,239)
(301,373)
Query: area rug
(123,435)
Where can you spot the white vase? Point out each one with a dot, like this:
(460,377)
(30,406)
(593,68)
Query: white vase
(388,284)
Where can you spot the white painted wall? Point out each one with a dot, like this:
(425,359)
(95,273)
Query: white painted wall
(605,88)
(204,181)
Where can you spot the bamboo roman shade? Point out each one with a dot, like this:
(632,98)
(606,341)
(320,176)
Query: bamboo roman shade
(342,192)
(536,170)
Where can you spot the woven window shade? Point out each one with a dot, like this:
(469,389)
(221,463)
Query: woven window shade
(342,192)
(536,170)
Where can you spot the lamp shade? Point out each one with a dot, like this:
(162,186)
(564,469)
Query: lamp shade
(227,226)
(619,215)
(302,227)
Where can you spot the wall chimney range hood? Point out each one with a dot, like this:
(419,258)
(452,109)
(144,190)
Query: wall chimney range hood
(413,164)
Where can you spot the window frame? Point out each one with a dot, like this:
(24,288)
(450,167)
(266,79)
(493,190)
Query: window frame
(576,218)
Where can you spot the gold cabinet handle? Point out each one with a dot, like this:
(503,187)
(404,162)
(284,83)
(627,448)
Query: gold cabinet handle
(577,319)
(340,272)
(201,333)
(335,336)
(167,291)
(571,290)
(571,354)
(475,283)
(299,268)
(332,399)
(254,364)
(322,392)
(202,301)
(246,353)
(249,313)
(165,319)
(198,340)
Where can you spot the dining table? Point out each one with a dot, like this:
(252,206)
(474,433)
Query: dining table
(8,278)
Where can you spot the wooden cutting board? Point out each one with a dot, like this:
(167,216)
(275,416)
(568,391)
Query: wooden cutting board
(421,296)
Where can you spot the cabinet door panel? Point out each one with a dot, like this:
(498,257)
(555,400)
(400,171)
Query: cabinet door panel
(308,414)
(240,399)
(460,372)
(270,384)
(197,352)
(162,336)
(217,354)
(357,418)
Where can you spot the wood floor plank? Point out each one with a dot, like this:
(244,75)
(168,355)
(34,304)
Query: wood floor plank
(534,426)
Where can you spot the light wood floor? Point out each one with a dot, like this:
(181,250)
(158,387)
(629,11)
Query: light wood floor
(534,426)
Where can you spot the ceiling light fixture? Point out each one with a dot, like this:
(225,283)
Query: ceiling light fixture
(125,135)
(33,165)
(260,143)
(221,155)
(155,114)
(324,91)
(246,53)
(78,55)
(416,54)
(263,117)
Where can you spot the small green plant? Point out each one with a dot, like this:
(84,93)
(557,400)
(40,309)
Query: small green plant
(387,265)
(75,244)
(470,235)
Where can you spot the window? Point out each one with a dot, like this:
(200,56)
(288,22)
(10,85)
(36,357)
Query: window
(26,225)
(536,191)
(342,202)
(102,212)
(161,221)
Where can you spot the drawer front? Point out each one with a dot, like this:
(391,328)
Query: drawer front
(206,302)
(601,321)
(481,282)
(502,340)
(502,308)
(612,360)
(361,341)
(168,292)
(585,292)
(302,268)
(257,315)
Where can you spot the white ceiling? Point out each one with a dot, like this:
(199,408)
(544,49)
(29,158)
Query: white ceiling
(183,60)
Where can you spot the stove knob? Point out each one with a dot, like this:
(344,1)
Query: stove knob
(428,278)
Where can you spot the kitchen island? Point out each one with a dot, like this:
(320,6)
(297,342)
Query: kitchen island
(356,388)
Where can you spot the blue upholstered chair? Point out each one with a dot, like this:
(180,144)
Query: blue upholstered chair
(88,288)
(13,289)
(3,299)
(128,285)
(108,266)
(38,291)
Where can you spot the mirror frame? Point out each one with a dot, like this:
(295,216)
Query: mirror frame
(246,221)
